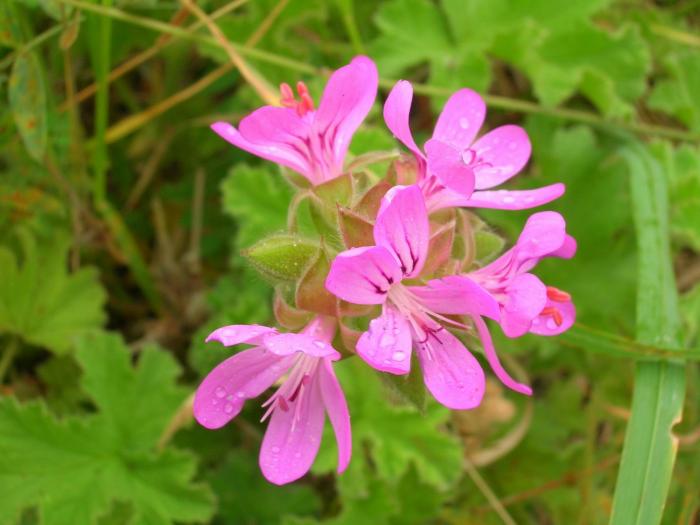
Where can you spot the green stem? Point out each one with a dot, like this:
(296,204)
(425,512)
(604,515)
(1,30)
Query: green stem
(8,356)
(505,103)
(102,65)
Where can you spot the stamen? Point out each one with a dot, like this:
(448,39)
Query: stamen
(288,99)
(558,295)
(555,313)
(283,404)
(287,96)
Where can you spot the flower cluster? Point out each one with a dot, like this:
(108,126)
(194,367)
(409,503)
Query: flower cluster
(393,255)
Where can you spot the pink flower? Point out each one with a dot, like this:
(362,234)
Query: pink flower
(312,142)
(526,304)
(455,170)
(309,388)
(412,316)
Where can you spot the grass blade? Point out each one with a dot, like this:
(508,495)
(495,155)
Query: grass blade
(650,447)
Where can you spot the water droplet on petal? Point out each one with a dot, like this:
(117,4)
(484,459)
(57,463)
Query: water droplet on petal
(228,408)
(240,394)
(464,123)
(508,199)
(220,392)
(297,455)
(275,450)
(398,356)
(387,340)
(319,344)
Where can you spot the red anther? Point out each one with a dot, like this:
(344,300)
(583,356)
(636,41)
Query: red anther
(286,91)
(302,89)
(555,294)
(555,313)
(282,404)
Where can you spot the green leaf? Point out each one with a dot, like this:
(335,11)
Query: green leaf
(650,446)
(258,200)
(682,168)
(76,468)
(282,257)
(246,498)
(677,94)
(28,102)
(41,301)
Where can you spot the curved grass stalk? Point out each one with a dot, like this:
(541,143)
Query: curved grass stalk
(650,447)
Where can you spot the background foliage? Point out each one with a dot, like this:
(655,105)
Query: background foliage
(122,218)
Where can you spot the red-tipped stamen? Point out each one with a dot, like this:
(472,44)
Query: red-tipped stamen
(555,294)
(555,313)
(283,404)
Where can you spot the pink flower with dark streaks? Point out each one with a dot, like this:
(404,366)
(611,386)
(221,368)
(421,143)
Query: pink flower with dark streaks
(312,142)
(527,305)
(412,316)
(455,170)
(309,389)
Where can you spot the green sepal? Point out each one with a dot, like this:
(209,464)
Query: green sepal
(488,245)
(355,229)
(311,293)
(281,258)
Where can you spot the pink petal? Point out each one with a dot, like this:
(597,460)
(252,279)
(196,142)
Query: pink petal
(526,297)
(346,100)
(514,200)
(505,151)
(293,436)
(445,162)
(288,344)
(337,410)
(243,376)
(274,134)
(492,358)
(402,227)
(386,345)
(461,119)
(567,250)
(546,324)
(397,109)
(544,233)
(456,294)
(451,373)
(235,334)
(363,275)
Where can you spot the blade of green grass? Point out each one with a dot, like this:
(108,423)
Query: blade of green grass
(650,447)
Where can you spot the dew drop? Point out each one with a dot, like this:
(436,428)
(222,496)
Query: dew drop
(220,392)
(297,455)
(464,123)
(319,344)
(508,199)
(214,402)
(398,356)
(229,397)
(387,340)
(228,408)
(275,450)
(240,394)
